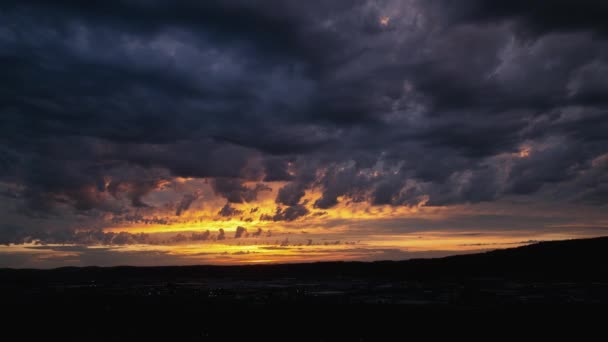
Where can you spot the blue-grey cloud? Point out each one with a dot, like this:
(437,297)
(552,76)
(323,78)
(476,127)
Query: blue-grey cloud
(104,103)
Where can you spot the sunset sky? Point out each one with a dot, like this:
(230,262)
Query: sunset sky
(238,132)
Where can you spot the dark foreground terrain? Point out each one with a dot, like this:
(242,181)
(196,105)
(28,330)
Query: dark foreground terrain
(549,288)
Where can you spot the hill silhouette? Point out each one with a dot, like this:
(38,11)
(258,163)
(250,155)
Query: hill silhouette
(562,282)
(566,259)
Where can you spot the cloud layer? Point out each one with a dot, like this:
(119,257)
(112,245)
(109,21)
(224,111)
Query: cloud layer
(386,103)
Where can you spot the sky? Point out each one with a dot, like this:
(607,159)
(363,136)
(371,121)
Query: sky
(238,132)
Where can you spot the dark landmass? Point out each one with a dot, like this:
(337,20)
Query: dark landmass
(561,281)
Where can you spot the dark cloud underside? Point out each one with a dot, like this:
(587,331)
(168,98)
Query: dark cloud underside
(441,103)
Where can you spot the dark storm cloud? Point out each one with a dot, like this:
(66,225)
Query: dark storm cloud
(235,191)
(276,169)
(103,103)
(290,194)
(185,203)
(290,213)
(10,233)
(538,16)
(221,235)
(229,211)
(240,232)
